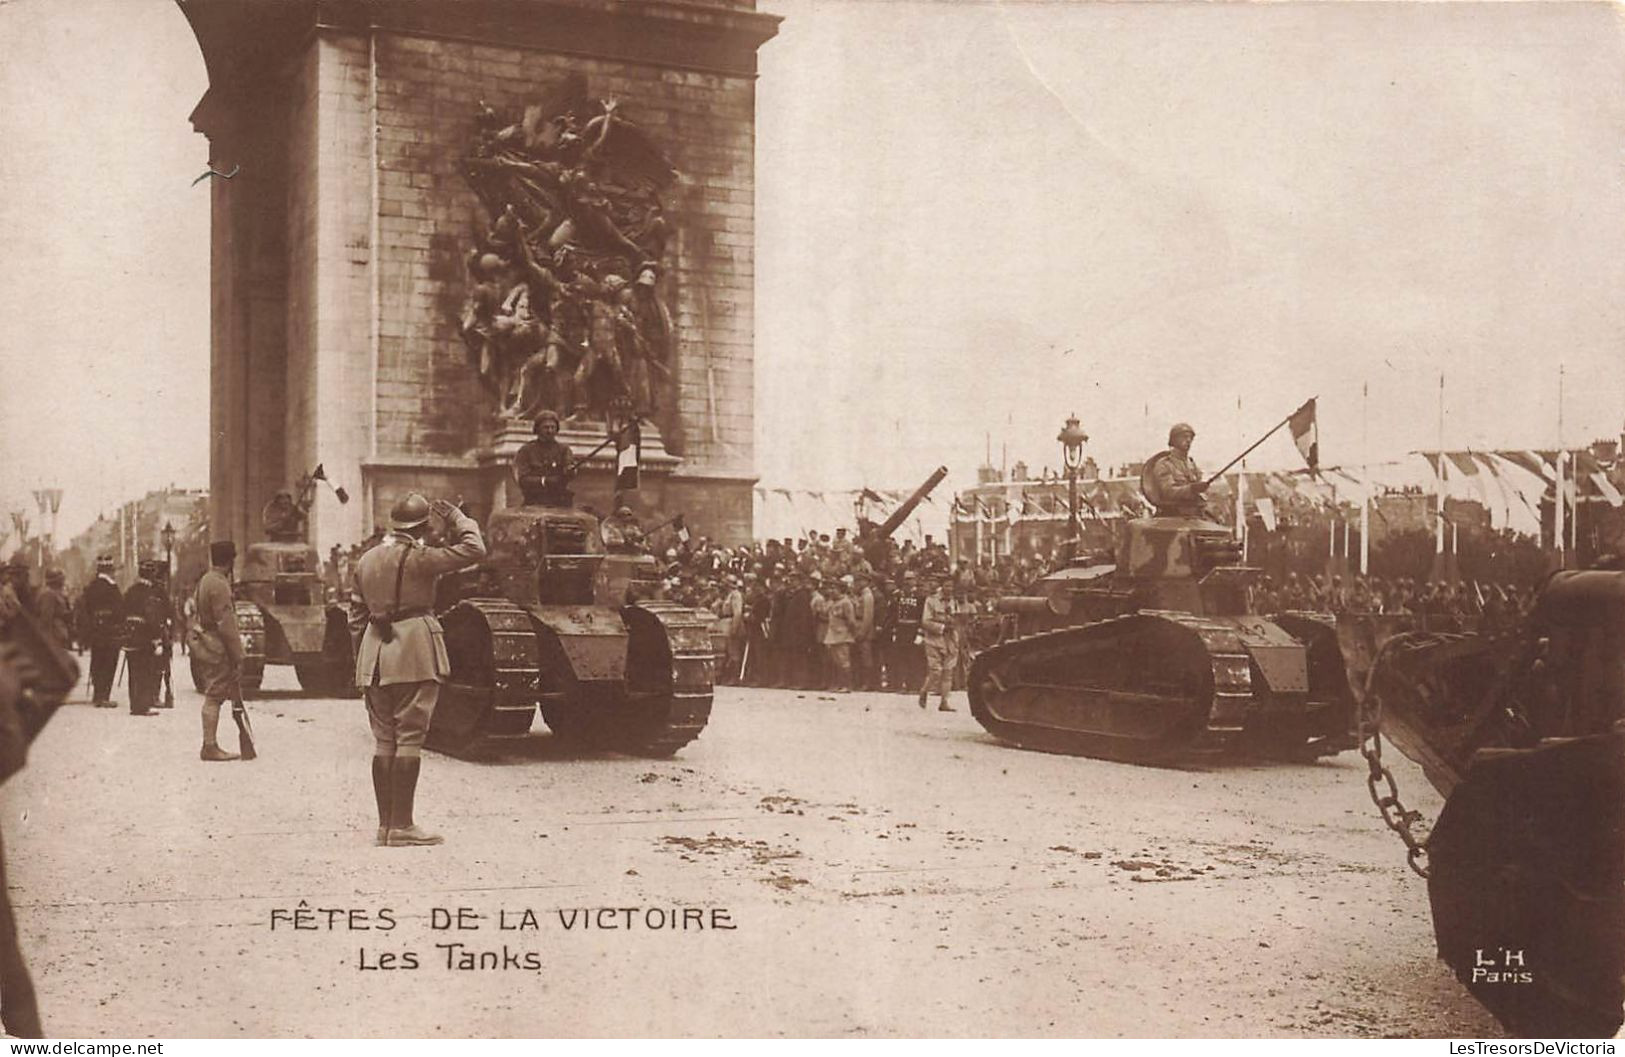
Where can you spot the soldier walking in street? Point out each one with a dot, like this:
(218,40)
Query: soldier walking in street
(99,612)
(936,625)
(216,646)
(146,628)
(401,655)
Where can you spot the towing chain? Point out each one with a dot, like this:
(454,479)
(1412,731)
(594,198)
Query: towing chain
(1379,779)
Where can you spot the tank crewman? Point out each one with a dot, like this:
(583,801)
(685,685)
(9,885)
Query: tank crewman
(55,612)
(542,466)
(146,628)
(937,626)
(401,656)
(216,647)
(100,608)
(621,530)
(1172,482)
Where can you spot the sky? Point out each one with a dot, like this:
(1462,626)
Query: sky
(972,220)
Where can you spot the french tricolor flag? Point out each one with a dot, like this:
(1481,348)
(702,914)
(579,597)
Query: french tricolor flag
(628,448)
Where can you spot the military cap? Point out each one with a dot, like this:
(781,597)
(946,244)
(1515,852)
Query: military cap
(1180,427)
(222,552)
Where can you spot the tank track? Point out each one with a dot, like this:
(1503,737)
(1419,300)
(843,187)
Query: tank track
(493,688)
(671,671)
(251,626)
(1141,735)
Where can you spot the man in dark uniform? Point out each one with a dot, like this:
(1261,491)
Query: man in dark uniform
(905,660)
(146,626)
(100,608)
(1171,480)
(216,647)
(55,613)
(542,466)
(401,654)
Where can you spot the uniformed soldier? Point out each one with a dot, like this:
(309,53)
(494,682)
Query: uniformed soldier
(216,646)
(401,657)
(1171,480)
(99,612)
(542,466)
(621,530)
(146,626)
(904,662)
(937,626)
(55,612)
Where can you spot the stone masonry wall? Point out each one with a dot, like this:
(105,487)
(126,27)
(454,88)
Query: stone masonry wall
(428,399)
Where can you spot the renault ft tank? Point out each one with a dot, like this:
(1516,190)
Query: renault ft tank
(1523,732)
(284,618)
(552,618)
(1157,654)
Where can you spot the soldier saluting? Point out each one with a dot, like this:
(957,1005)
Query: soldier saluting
(401,655)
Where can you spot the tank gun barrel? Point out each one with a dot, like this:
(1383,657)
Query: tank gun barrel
(901,514)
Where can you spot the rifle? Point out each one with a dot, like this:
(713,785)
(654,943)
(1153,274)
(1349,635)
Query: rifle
(239,714)
(169,678)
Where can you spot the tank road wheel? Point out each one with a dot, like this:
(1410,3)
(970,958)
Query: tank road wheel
(333,673)
(1134,689)
(492,690)
(670,668)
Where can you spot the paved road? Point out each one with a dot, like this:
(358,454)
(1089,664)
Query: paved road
(886,872)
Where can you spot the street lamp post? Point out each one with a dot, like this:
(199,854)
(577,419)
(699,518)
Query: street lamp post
(167,534)
(1072,438)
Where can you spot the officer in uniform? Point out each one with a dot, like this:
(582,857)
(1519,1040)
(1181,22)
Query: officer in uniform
(55,613)
(216,646)
(100,608)
(146,628)
(1171,480)
(401,656)
(542,466)
(903,661)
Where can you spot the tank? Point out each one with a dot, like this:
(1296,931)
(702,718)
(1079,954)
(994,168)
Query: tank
(1153,652)
(284,618)
(1521,731)
(554,620)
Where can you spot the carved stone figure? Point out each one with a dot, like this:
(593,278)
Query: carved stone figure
(551,319)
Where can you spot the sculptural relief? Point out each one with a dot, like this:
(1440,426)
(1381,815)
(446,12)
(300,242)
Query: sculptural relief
(563,308)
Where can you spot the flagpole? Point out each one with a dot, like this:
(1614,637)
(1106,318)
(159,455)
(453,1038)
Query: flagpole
(1558,498)
(1365,474)
(1240,495)
(1256,443)
(1444,474)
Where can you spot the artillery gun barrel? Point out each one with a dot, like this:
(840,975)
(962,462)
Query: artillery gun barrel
(901,514)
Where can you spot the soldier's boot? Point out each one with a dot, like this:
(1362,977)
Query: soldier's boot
(381,769)
(403,784)
(212,751)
